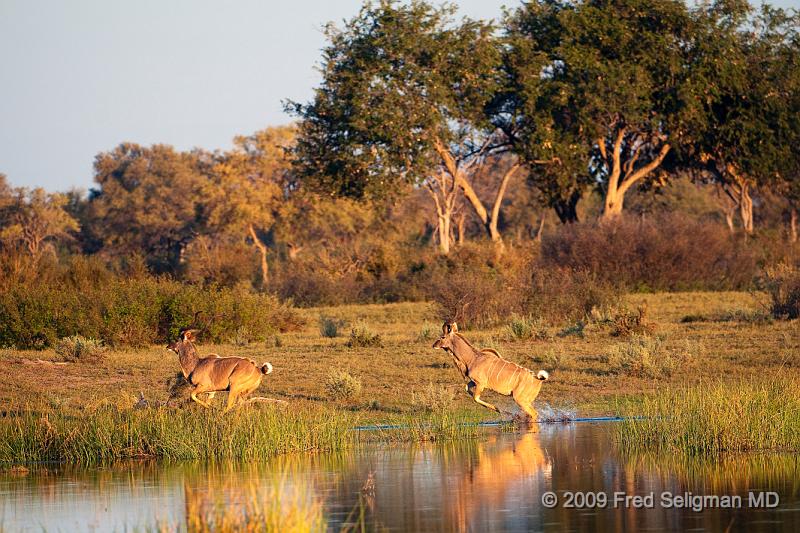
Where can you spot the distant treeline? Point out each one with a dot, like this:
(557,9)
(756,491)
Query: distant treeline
(638,144)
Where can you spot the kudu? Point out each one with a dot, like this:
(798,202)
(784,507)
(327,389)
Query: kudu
(237,375)
(485,369)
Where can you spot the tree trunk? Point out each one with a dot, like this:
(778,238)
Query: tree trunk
(567,208)
(793,225)
(729,218)
(460,224)
(746,209)
(443,228)
(538,237)
(488,219)
(622,175)
(262,248)
(444,193)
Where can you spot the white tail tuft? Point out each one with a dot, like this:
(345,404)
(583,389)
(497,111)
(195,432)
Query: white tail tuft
(543,375)
(269,368)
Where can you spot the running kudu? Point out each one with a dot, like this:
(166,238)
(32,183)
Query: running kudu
(485,369)
(237,375)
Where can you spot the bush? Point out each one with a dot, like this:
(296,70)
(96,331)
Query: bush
(362,337)
(524,328)
(666,252)
(340,385)
(433,398)
(646,356)
(623,322)
(782,283)
(479,289)
(77,348)
(329,327)
(132,312)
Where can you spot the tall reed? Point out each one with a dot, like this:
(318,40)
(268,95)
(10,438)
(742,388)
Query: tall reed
(108,433)
(708,419)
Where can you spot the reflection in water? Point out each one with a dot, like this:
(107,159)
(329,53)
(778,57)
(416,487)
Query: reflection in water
(491,485)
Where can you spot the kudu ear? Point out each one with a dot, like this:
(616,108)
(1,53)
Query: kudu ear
(188,335)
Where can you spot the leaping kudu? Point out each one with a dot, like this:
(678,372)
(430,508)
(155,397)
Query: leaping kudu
(485,369)
(237,375)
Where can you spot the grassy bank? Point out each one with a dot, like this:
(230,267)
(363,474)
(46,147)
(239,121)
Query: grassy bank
(688,339)
(108,434)
(711,418)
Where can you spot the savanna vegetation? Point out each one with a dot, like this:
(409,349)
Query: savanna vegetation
(604,189)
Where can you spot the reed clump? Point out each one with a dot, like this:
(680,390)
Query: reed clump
(108,433)
(708,419)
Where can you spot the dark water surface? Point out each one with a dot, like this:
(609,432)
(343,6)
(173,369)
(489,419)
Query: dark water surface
(496,484)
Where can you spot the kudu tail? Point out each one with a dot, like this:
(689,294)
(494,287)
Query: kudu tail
(266,368)
(542,375)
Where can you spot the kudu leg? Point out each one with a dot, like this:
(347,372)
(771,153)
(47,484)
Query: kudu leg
(198,400)
(475,391)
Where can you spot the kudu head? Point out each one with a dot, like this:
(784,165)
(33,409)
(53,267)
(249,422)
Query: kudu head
(449,331)
(185,339)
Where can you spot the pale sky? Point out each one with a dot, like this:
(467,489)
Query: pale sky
(81,76)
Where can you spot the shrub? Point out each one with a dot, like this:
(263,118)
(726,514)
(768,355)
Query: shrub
(553,358)
(433,398)
(77,348)
(782,283)
(427,332)
(624,323)
(576,329)
(362,337)
(666,252)
(340,385)
(479,289)
(524,328)
(645,356)
(329,327)
(132,312)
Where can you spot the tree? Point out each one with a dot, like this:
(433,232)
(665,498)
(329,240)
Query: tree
(148,202)
(402,104)
(595,93)
(748,102)
(30,218)
(246,186)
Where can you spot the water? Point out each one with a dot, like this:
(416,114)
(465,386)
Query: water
(496,484)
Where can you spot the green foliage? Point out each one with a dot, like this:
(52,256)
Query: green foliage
(710,419)
(526,327)
(77,348)
(108,433)
(399,82)
(329,326)
(362,337)
(340,385)
(132,312)
(147,203)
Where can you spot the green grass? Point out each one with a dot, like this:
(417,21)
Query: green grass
(712,418)
(107,434)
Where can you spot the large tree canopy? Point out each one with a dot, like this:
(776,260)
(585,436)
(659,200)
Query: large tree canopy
(148,202)
(399,82)
(402,104)
(595,93)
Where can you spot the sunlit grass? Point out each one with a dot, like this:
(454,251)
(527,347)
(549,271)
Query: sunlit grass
(711,418)
(107,434)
